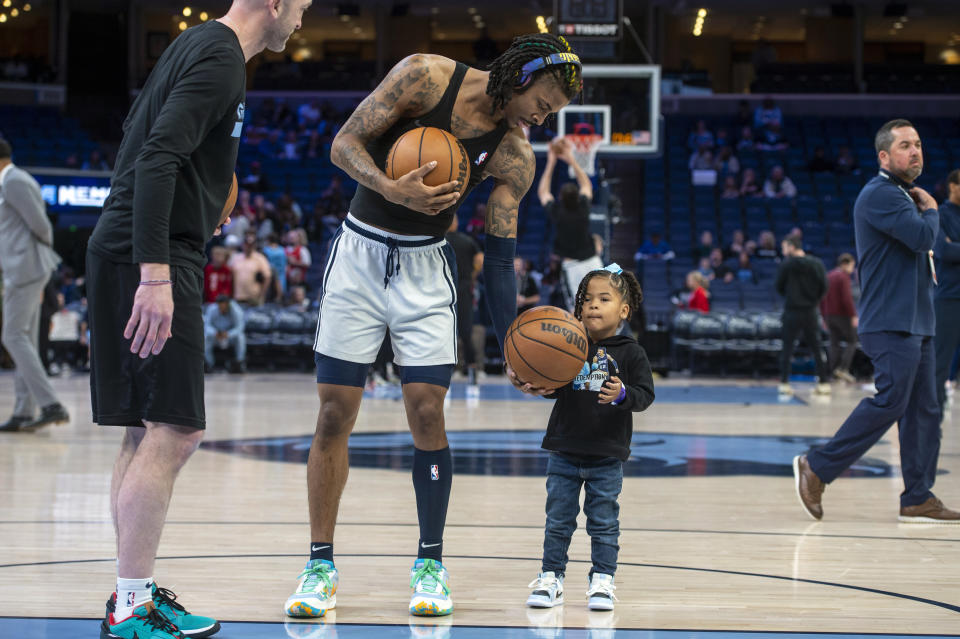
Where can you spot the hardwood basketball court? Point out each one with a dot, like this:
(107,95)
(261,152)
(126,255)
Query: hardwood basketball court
(713,538)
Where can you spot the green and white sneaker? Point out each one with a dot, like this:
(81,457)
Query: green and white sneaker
(431,594)
(317,591)
(146,622)
(192,626)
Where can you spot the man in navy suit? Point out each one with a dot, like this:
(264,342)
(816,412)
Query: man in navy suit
(946,303)
(896,224)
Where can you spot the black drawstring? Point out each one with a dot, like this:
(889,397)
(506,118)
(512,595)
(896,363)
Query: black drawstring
(393,260)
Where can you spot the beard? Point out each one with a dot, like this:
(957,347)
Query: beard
(277,40)
(913,172)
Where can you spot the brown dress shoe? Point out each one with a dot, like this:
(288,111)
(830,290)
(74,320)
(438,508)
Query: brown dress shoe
(931,511)
(809,487)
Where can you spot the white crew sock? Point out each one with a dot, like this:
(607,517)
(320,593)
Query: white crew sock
(130,594)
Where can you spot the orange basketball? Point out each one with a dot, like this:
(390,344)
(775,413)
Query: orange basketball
(230,203)
(418,146)
(546,346)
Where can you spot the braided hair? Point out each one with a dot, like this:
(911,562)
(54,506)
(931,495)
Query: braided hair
(625,283)
(505,70)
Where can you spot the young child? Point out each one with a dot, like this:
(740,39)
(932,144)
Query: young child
(588,437)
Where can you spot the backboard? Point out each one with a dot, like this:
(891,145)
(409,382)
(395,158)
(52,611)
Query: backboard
(621,102)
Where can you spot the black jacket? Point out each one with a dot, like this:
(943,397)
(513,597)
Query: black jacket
(802,281)
(579,425)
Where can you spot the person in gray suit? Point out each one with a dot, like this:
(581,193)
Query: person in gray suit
(27,260)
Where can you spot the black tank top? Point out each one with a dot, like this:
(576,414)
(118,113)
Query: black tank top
(371,207)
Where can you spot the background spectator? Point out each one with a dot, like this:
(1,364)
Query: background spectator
(528,294)
(720,269)
(736,244)
(846,164)
(701,160)
(730,189)
(701,137)
(217,276)
(726,163)
(706,245)
(820,163)
(277,257)
(749,187)
(298,256)
(767,246)
(654,248)
(697,285)
(223,325)
(840,316)
(64,337)
(778,185)
(251,273)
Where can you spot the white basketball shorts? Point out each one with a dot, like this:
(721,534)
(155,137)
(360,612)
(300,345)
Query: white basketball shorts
(375,280)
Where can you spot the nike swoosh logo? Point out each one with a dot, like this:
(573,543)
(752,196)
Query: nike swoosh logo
(423,545)
(316,548)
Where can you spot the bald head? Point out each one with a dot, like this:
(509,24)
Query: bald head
(264,24)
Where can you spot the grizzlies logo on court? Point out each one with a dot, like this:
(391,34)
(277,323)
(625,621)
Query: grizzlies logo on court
(518,452)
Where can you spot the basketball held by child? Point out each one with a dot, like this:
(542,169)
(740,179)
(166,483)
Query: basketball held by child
(427,144)
(546,347)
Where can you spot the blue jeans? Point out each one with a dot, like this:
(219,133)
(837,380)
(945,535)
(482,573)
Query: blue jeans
(602,482)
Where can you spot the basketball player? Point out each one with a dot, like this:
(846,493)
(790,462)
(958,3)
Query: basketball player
(390,267)
(145,286)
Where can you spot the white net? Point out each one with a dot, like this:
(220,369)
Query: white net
(584,147)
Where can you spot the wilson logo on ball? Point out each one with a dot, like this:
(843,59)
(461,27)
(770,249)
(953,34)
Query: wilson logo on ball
(572,337)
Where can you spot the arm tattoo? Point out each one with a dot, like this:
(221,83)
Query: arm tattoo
(514,171)
(408,90)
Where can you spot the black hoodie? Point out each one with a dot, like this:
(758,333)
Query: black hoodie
(581,426)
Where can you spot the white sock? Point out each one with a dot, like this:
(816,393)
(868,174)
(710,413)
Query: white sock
(130,594)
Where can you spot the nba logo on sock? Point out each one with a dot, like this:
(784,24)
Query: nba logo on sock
(130,599)
(434,472)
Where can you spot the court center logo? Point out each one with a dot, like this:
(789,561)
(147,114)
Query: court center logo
(518,453)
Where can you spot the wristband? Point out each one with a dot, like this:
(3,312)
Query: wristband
(155,282)
(621,396)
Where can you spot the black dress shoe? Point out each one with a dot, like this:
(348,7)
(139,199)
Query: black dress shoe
(52,414)
(15,423)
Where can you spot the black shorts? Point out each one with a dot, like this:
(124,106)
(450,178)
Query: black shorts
(125,390)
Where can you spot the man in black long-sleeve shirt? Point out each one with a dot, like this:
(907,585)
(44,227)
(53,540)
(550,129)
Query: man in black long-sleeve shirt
(802,280)
(173,172)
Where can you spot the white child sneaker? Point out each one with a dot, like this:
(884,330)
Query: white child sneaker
(547,591)
(600,594)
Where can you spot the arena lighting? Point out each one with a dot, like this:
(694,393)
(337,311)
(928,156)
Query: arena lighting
(3,17)
(14,12)
(182,26)
(187,11)
(541,24)
(7,3)
(203,16)
(27,7)
(702,13)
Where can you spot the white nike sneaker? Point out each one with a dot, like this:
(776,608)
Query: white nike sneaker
(547,591)
(317,591)
(600,594)
(431,594)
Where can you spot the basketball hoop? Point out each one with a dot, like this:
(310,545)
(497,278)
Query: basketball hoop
(585,143)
